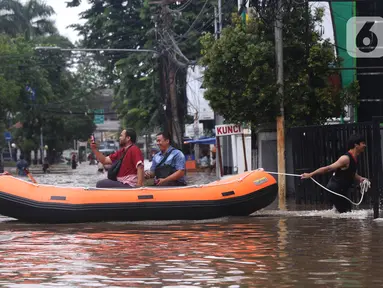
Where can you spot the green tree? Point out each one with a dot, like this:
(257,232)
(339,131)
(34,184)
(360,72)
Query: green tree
(247,91)
(140,95)
(65,118)
(137,98)
(29,19)
(61,98)
(57,92)
(20,70)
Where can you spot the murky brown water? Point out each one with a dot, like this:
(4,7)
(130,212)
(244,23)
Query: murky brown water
(269,249)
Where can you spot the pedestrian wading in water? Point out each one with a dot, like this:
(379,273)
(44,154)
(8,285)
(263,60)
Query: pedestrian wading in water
(344,173)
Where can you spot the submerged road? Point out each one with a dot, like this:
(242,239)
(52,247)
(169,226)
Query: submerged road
(271,248)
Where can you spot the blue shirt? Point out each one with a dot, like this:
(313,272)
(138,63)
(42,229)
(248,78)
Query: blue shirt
(21,165)
(176,159)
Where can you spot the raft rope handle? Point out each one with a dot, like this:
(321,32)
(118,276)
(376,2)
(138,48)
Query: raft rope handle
(364,186)
(215,183)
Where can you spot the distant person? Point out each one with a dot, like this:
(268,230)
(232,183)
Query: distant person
(168,165)
(91,158)
(204,161)
(21,165)
(131,173)
(213,159)
(80,157)
(74,162)
(45,165)
(344,173)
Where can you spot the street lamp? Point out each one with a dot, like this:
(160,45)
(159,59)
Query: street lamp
(94,49)
(14,152)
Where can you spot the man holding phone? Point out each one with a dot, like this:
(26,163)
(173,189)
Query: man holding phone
(131,172)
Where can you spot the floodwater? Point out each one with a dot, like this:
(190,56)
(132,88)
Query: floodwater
(270,248)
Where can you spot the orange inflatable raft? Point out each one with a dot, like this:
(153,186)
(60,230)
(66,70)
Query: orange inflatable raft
(238,195)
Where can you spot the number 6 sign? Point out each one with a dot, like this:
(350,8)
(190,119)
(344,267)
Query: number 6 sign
(365,37)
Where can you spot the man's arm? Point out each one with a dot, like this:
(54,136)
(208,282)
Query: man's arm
(179,166)
(150,173)
(138,161)
(140,175)
(359,178)
(342,162)
(100,157)
(175,176)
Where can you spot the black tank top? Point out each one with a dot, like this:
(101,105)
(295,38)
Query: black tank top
(345,178)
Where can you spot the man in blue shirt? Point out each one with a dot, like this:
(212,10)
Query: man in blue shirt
(168,165)
(21,165)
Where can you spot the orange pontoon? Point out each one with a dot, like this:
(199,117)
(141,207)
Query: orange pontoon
(238,195)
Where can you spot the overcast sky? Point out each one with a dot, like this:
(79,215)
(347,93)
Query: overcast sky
(67,16)
(327,22)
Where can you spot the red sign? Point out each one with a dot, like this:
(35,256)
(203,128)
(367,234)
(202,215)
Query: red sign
(230,129)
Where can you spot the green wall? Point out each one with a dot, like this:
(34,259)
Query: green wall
(341,12)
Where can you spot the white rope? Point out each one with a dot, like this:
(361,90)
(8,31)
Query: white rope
(364,186)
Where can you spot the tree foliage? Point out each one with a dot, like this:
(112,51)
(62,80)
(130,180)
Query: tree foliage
(60,100)
(57,91)
(247,92)
(30,18)
(138,25)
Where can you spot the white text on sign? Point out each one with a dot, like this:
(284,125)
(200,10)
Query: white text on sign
(230,129)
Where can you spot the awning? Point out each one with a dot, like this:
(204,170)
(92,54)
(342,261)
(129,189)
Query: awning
(201,141)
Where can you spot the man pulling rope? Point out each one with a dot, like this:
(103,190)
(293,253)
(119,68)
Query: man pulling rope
(344,175)
(364,186)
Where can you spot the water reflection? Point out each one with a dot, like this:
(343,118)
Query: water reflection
(252,251)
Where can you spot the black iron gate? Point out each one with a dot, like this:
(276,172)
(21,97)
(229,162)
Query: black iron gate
(317,146)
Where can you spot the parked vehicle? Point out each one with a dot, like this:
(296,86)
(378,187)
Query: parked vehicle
(108,147)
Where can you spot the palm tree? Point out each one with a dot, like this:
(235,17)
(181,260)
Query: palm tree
(10,17)
(30,19)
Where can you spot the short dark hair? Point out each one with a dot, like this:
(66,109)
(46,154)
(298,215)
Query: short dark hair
(129,132)
(165,134)
(354,139)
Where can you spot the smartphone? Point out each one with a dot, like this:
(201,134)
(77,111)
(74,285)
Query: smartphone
(92,138)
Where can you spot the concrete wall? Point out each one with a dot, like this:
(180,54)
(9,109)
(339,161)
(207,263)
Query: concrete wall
(233,160)
(268,160)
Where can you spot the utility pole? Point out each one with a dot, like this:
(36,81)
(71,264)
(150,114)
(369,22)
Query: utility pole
(218,119)
(169,68)
(281,118)
(243,13)
(218,20)
(41,144)
(215,23)
(196,135)
(220,16)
